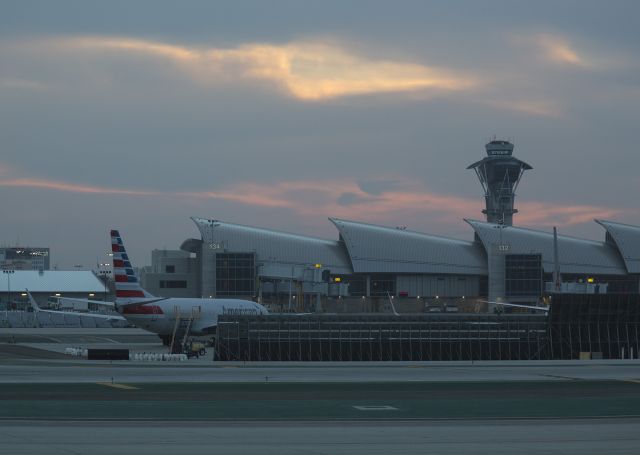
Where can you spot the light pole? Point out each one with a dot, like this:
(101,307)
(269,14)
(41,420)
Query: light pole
(103,272)
(8,273)
(105,277)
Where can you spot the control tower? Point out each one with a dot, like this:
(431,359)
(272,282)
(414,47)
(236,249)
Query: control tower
(499,174)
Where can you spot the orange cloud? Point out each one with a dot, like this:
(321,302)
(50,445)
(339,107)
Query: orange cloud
(70,187)
(394,204)
(539,214)
(309,71)
(130,45)
(541,108)
(346,199)
(558,50)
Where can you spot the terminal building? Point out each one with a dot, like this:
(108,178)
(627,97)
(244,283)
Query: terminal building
(43,285)
(370,268)
(24,258)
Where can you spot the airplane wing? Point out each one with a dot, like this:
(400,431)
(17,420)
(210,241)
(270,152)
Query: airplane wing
(108,317)
(136,303)
(37,309)
(517,305)
(112,305)
(62,300)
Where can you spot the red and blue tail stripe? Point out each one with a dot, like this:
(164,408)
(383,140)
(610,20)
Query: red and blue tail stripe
(126,281)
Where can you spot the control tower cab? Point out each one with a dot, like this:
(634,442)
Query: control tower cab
(499,174)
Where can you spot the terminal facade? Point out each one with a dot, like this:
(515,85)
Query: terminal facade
(24,258)
(376,268)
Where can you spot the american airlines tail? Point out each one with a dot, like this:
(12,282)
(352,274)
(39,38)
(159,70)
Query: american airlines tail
(128,289)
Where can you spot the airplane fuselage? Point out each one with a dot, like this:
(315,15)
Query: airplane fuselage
(160,316)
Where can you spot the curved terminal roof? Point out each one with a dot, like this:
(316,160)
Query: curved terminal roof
(378,249)
(274,245)
(191,245)
(574,255)
(627,239)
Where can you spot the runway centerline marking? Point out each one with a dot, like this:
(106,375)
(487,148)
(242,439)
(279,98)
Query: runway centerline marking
(375,408)
(118,386)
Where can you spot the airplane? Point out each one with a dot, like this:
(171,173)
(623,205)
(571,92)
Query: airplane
(162,315)
(37,309)
(58,302)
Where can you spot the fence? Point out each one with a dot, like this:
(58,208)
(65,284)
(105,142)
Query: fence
(594,326)
(578,326)
(317,337)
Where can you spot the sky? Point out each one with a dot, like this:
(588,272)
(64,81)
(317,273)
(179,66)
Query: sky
(137,115)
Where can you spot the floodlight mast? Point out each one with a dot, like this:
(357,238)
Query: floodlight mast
(499,174)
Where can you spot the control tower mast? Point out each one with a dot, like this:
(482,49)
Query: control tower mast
(499,174)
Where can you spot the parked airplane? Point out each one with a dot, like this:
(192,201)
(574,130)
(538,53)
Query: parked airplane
(37,309)
(163,315)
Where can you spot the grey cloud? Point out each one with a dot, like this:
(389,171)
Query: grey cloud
(144,124)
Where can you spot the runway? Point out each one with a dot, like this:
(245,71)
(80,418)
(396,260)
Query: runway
(83,371)
(497,437)
(116,401)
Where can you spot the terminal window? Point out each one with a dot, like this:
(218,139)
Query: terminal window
(357,284)
(173,284)
(382,285)
(523,274)
(235,274)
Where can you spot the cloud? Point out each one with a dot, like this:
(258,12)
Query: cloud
(558,50)
(305,70)
(538,108)
(346,199)
(21,84)
(45,184)
(554,49)
(542,214)
(129,45)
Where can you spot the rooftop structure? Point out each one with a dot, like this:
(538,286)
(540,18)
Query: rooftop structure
(47,283)
(379,249)
(24,258)
(626,238)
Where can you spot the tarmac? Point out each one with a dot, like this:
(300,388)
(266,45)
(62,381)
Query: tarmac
(52,403)
(496,437)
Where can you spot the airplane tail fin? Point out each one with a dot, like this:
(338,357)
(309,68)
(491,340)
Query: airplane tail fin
(33,302)
(128,289)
